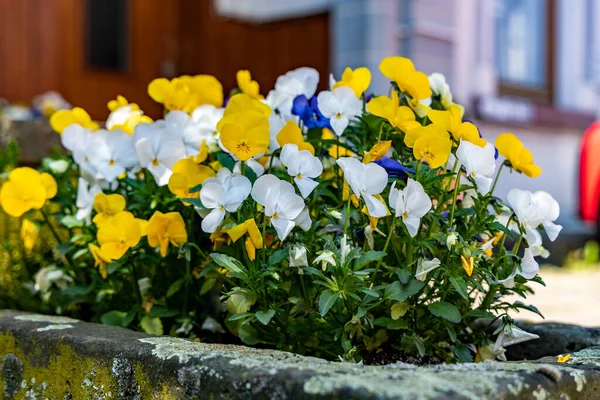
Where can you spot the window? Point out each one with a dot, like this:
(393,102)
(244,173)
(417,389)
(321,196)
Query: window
(107,35)
(524,46)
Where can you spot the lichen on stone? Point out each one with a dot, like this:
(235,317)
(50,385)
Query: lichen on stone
(53,319)
(54,327)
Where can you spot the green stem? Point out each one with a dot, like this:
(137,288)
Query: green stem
(489,297)
(347,213)
(136,278)
(496,180)
(387,242)
(418,170)
(454,196)
(380,132)
(54,233)
(304,291)
(264,249)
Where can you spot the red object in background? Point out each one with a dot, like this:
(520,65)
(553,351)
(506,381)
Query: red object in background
(589,174)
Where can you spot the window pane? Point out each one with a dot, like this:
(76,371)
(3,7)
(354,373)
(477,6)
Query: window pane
(521,42)
(107,34)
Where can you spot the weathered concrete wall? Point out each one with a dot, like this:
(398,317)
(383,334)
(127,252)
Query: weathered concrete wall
(61,358)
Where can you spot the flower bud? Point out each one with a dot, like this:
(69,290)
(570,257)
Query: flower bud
(298,256)
(451,240)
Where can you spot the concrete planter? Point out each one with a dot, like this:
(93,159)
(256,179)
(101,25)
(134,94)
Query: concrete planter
(36,138)
(62,358)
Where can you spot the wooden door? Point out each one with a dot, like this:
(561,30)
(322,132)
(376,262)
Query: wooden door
(112,47)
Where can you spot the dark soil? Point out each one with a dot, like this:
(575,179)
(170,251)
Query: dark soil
(391,356)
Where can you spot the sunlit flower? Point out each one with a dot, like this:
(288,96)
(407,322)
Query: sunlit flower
(86,192)
(325,257)
(245,134)
(62,119)
(125,116)
(223,194)
(401,117)
(300,81)
(187,175)
(426,266)
(479,163)
(309,112)
(402,71)
(241,102)
(532,210)
(280,202)
(206,118)
(303,166)
(187,92)
(247,85)
(107,206)
(511,334)
(366,180)
(29,234)
(340,106)
(431,143)
(376,152)
(291,134)
(521,159)
(26,189)
(163,229)
(451,120)
(358,80)
(111,153)
(440,88)
(158,148)
(119,234)
(101,260)
(411,204)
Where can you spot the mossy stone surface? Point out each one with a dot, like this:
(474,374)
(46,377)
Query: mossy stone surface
(90,361)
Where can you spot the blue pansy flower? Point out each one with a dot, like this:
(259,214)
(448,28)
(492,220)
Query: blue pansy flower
(394,168)
(309,113)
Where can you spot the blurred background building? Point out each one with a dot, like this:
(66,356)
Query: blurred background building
(531,67)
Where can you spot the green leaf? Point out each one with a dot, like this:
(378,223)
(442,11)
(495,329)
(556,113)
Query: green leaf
(161,311)
(370,292)
(479,314)
(398,292)
(240,302)
(460,286)
(226,160)
(250,174)
(369,257)
(152,325)
(451,333)
(326,300)
(174,288)
(277,257)
(399,310)
(207,285)
(264,316)
(77,290)
(420,344)
(195,189)
(533,309)
(113,318)
(236,317)
(249,335)
(463,353)
(193,201)
(71,222)
(229,263)
(129,318)
(113,266)
(445,310)
(404,275)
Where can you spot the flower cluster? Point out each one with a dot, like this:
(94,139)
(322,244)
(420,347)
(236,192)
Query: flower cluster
(367,223)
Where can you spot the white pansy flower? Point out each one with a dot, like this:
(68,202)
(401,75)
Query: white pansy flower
(479,163)
(303,166)
(206,117)
(48,276)
(221,195)
(298,256)
(75,138)
(280,201)
(184,126)
(57,166)
(529,267)
(340,105)
(411,204)
(366,180)
(511,334)
(158,149)
(345,248)
(534,209)
(121,115)
(85,199)
(303,80)
(303,220)
(439,87)
(276,124)
(425,266)
(111,153)
(325,257)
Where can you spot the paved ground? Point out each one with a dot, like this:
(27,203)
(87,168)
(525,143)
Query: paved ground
(569,297)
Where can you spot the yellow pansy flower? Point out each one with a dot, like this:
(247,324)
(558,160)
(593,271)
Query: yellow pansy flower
(377,151)
(467,265)
(101,260)
(291,134)
(119,102)
(186,175)
(451,120)
(187,92)
(401,117)
(163,229)
(432,144)
(64,118)
(245,134)
(202,153)
(247,85)
(402,71)
(26,189)
(358,80)
(242,102)
(254,240)
(521,159)
(220,238)
(29,234)
(119,234)
(107,206)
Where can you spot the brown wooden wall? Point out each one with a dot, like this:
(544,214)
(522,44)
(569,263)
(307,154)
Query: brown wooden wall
(29,48)
(42,47)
